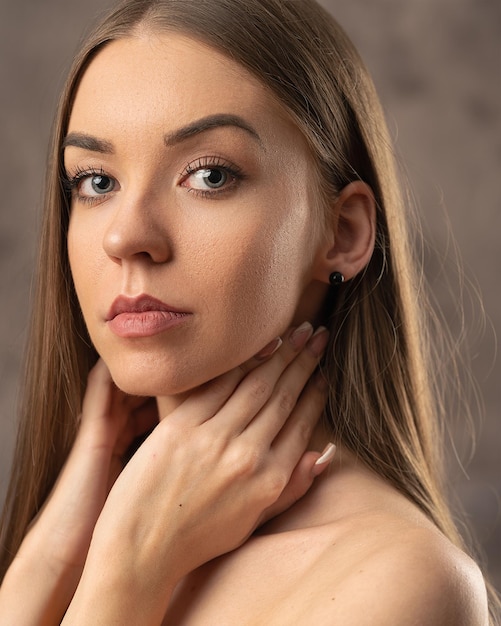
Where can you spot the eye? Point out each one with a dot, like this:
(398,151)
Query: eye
(90,185)
(96,184)
(212,178)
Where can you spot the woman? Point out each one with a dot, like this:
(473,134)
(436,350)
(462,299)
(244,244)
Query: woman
(221,189)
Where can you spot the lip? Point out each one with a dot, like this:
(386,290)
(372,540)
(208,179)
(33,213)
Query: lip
(143,316)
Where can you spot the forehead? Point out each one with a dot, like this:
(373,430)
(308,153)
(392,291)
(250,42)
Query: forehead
(154,78)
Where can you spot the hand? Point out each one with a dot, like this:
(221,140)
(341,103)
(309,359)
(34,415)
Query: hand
(202,481)
(50,561)
(110,421)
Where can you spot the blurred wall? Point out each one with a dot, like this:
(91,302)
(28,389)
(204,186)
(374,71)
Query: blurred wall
(436,64)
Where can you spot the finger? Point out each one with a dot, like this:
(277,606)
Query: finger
(98,394)
(282,402)
(294,437)
(104,409)
(204,403)
(310,465)
(294,341)
(258,386)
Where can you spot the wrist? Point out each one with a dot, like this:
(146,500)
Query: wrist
(115,589)
(44,548)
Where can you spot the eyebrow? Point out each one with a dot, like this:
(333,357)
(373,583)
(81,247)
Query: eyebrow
(94,144)
(87,142)
(208,123)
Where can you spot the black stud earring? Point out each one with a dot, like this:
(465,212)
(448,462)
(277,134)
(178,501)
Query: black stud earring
(336,278)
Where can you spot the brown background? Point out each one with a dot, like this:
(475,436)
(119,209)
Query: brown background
(436,64)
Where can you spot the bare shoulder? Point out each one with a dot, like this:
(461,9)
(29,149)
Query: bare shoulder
(412,575)
(353,552)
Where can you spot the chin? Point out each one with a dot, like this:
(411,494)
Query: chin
(152,381)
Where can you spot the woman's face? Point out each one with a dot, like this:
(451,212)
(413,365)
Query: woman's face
(191,236)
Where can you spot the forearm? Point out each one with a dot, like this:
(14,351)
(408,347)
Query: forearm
(36,590)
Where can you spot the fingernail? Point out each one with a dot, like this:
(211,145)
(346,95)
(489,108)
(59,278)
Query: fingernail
(318,342)
(301,335)
(327,454)
(269,349)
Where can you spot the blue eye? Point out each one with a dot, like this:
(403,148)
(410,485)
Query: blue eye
(212,178)
(91,185)
(96,184)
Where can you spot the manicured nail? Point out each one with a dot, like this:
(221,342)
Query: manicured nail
(301,335)
(269,349)
(327,454)
(318,342)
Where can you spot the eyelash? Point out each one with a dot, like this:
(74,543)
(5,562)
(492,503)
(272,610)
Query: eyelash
(71,182)
(212,163)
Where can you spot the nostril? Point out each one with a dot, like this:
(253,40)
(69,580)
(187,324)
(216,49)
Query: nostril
(130,237)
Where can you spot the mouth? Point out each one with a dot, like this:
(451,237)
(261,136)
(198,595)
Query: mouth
(143,316)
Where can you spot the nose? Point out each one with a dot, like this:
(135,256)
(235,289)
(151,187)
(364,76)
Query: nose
(136,231)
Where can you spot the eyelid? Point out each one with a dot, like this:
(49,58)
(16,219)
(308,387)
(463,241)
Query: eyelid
(72,180)
(207,163)
(72,176)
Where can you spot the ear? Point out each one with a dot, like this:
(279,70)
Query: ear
(349,241)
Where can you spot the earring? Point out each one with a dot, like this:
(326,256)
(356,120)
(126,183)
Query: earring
(336,278)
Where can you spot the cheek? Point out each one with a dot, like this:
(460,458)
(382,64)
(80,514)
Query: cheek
(77,255)
(85,261)
(258,276)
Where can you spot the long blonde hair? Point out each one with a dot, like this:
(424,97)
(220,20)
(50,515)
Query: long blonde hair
(381,404)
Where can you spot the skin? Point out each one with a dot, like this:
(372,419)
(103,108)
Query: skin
(160,233)
(223,484)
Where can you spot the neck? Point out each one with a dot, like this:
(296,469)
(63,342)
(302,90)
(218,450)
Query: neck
(167,404)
